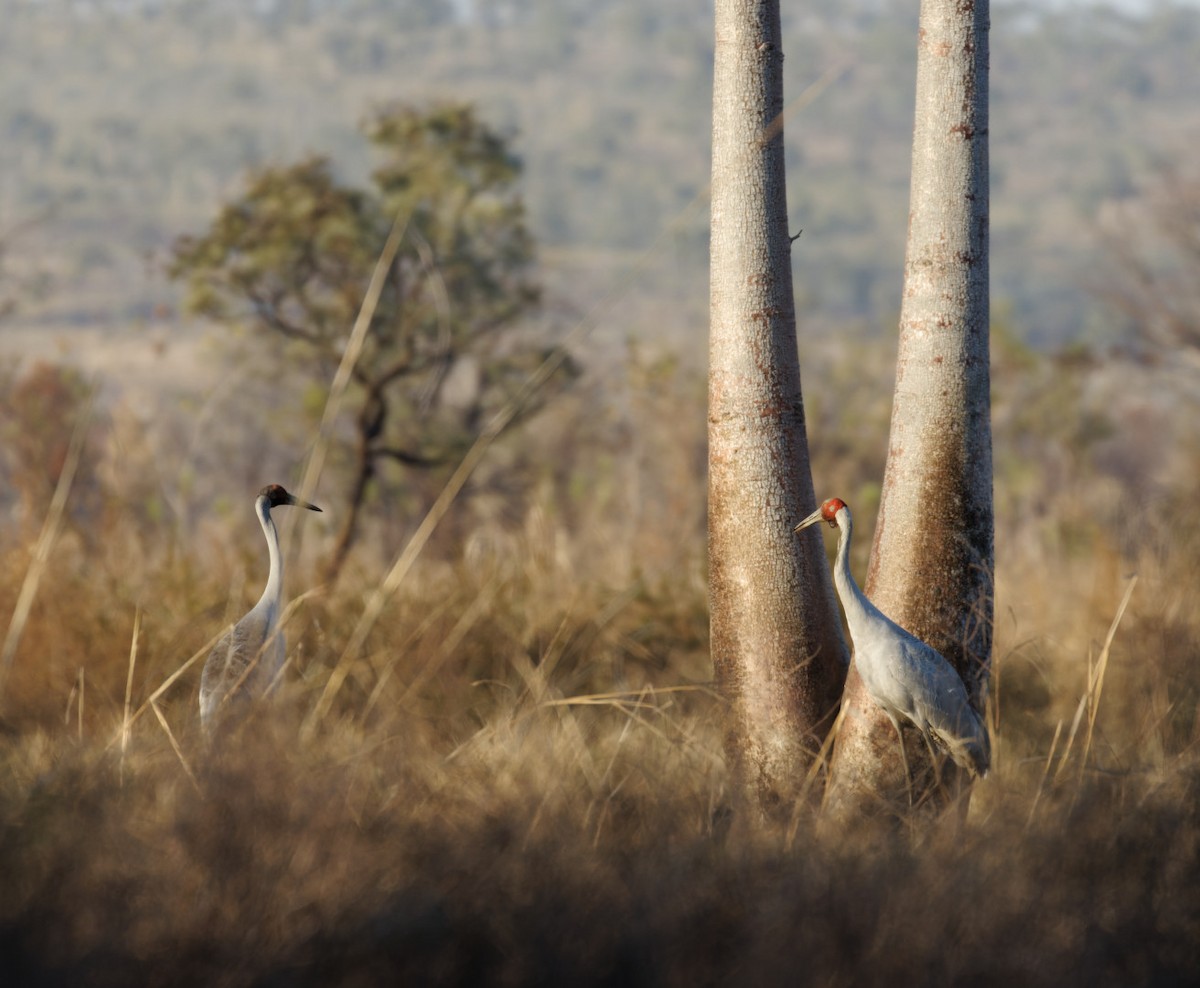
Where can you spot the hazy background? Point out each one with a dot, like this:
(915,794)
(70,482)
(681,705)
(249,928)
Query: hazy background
(125,124)
(518,778)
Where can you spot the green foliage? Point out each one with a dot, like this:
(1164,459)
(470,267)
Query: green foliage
(293,256)
(475,223)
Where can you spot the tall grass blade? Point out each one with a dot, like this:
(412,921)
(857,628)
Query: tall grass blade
(1096,686)
(75,699)
(162,720)
(133,650)
(1037,796)
(1080,711)
(354,348)
(466,620)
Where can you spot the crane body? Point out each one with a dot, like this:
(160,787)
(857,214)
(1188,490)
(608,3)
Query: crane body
(247,660)
(903,675)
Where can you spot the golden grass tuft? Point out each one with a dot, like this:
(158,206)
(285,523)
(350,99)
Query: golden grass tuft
(519,777)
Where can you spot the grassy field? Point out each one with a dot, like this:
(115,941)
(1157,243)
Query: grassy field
(518,779)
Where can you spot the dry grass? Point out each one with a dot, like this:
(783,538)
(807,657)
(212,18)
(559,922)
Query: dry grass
(518,779)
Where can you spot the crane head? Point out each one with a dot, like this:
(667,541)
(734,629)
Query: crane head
(276,495)
(827,512)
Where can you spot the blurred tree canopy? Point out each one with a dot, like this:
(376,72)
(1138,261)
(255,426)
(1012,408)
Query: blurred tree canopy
(292,257)
(1153,261)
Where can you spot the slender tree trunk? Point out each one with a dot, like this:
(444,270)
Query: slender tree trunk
(370,422)
(932,559)
(364,471)
(777,646)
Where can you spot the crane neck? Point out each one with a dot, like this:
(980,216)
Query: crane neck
(273,592)
(857,606)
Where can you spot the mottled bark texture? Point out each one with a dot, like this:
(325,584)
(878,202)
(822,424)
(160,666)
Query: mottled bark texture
(931,562)
(777,645)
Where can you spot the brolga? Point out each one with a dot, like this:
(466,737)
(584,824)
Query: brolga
(903,675)
(245,662)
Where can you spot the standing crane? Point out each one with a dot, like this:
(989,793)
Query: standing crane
(903,675)
(245,662)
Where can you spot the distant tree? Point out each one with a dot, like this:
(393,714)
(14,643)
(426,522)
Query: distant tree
(777,646)
(292,257)
(932,559)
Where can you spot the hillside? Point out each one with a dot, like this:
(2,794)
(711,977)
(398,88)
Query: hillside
(123,125)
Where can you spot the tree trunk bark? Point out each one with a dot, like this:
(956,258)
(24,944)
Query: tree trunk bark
(777,646)
(932,559)
(363,473)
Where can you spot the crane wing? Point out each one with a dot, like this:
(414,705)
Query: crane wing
(942,708)
(236,663)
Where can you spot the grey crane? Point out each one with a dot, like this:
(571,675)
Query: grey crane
(245,662)
(903,675)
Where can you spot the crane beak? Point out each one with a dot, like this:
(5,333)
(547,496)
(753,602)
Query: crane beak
(810,520)
(275,495)
(292,499)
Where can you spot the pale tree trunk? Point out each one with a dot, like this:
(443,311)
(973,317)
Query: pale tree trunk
(932,559)
(777,645)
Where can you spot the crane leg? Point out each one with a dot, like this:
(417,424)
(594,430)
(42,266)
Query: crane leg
(903,756)
(933,760)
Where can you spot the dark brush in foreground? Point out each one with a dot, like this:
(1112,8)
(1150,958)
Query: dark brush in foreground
(245,662)
(903,675)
